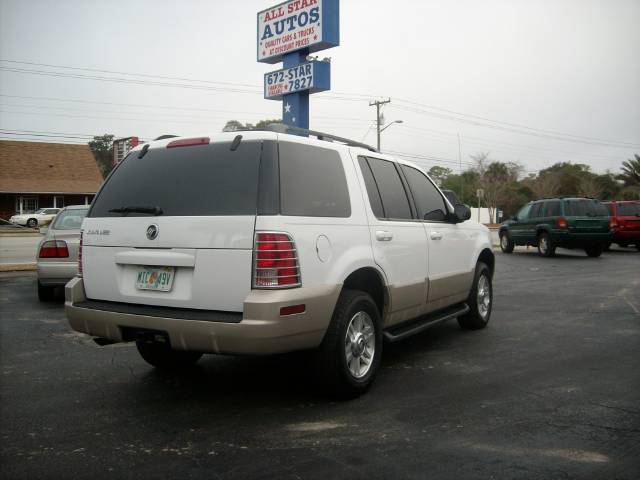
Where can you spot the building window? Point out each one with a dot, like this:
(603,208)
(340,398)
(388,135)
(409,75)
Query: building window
(26,204)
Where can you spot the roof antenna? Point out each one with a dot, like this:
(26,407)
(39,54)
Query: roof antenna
(143,152)
(236,143)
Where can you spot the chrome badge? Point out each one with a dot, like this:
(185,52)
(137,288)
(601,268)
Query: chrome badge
(152,232)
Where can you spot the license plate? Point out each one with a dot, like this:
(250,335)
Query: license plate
(155,278)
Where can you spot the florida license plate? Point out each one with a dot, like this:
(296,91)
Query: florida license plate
(155,278)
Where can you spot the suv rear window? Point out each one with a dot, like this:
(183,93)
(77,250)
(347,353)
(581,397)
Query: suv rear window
(629,209)
(312,182)
(585,208)
(185,181)
(70,219)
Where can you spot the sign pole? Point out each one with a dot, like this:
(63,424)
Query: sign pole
(295,106)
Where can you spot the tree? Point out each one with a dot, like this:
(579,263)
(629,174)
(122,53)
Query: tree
(570,175)
(498,181)
(102,149)
(589,187)
(439,174)
(235,125)
(631,171)
(544,185)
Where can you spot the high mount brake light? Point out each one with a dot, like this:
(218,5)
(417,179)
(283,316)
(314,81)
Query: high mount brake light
(275,261)
(189,142)
(54,249)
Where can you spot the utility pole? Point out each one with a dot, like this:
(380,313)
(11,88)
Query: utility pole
(378,104)
(461,179)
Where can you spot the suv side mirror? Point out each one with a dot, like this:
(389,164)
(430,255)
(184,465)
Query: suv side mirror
(435,216)
(462,212)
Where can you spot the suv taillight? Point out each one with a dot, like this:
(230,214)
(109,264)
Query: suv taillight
(54,249)
(275,261)
(561,222)
(613,223)
(80,256)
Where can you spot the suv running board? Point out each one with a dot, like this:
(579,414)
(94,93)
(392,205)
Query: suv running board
(406,329)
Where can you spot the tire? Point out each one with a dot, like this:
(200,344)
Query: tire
(606,247)
(349,355)
(480,300)
(32,223)
(162,356)
(45,293)
(623,244)
(506,244)
(594,250)
(546,247)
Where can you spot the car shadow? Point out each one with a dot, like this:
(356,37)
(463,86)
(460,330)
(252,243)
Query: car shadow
(285,379)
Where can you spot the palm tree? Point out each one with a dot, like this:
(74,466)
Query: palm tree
(631,171)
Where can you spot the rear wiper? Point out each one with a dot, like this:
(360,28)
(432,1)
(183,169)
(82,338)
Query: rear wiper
(137,209)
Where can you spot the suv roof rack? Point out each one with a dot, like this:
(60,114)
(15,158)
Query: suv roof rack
(281,128)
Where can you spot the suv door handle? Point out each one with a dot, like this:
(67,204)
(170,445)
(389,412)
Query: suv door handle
(436,236)
(383,236)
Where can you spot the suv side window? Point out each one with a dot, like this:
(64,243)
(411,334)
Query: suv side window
(312,182)
(536,210)
(523,214)
(395,203)
(552,208)
(428,199)
(372,189)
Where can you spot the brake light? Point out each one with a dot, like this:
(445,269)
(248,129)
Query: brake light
(275,261)
(561,222)
(189,142)
(54,249)
(80,256)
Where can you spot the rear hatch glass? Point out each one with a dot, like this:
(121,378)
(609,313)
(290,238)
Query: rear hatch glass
(188,181)
(587,215)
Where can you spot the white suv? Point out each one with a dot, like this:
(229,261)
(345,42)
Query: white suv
(264,242)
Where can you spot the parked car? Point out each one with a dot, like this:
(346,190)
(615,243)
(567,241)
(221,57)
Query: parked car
(262,242)
(558,222)
(625,222)
(57,261)
(40,217)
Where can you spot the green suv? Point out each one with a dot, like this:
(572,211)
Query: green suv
(558,222)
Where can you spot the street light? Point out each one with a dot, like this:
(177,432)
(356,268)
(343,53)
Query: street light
(380,130)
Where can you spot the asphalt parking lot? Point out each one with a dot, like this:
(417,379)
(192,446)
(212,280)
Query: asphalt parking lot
(550,390)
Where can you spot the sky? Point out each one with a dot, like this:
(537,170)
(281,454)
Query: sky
(534,82)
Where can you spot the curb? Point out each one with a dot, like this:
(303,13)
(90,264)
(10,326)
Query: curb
(20,234)
(16,267)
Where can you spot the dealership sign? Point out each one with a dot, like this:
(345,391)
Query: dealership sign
(297,25)
(312,76)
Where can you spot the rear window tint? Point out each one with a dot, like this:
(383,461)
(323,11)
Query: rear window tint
(536,210)
(70,219)
(185,181)
(372,188)
(312,182)
(552,208)
(392,192)
(585,208)
(629,209)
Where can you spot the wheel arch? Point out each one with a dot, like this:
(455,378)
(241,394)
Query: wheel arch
(488,258)
(371,281)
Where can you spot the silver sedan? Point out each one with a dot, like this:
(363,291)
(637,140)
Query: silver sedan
(57,261)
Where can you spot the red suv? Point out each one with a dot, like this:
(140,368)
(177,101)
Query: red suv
(625,222)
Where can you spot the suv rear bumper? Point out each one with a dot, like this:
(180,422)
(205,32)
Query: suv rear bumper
(261,330)
(580,240)
(626,235)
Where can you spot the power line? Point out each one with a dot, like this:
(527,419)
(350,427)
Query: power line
(232,87)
